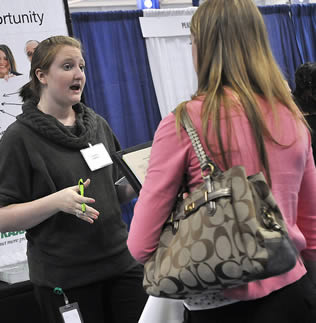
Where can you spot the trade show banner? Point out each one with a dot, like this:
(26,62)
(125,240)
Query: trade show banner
(23,24)
(168,43)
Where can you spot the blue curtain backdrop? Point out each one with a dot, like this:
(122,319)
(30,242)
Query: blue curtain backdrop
(282,39)
(119,84)
(304,20)
(292,34)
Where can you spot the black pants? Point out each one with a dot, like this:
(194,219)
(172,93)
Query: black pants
(295,303)
(119,300)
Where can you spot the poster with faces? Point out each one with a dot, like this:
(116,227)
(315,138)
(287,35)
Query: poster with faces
(23,24)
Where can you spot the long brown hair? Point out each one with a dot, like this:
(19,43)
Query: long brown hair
(233,51)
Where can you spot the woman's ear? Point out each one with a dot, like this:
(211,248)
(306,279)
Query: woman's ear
(41,76)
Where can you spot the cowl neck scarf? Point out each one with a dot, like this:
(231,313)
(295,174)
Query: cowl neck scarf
(50,128)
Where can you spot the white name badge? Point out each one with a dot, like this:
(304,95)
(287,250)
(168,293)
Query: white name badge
(71,313)
(96,156)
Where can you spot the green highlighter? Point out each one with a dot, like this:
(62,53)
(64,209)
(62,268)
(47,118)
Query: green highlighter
(81,190)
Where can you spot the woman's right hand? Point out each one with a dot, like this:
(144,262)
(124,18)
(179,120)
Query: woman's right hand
(69,201)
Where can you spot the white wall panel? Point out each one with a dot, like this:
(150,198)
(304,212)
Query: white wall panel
(109,5)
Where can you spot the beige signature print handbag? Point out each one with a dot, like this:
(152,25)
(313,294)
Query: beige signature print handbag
(227,232)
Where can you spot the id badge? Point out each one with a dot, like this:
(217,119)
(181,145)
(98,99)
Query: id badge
(96,156)
(71,313)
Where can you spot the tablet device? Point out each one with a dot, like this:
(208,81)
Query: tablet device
(133,162)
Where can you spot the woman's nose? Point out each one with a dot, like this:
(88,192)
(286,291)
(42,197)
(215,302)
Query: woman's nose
(79,73)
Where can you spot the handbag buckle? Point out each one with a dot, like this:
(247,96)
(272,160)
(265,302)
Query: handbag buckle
(188,208)
(207,171)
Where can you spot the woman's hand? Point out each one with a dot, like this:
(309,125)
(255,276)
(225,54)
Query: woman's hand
(69,201)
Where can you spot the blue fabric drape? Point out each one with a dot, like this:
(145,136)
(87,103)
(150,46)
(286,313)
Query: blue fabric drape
(282,39)
(195,3)
(119,84)
(128,212)
(304,20)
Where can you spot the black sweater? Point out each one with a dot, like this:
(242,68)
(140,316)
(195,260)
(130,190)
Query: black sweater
(40,156)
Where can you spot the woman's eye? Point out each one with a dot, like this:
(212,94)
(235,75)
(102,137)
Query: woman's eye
(67,67)
(82,67)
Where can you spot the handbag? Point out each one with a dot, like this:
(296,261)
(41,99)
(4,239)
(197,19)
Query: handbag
(229,231)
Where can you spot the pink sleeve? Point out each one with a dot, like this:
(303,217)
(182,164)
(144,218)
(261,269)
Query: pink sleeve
(306,212)
(164,177)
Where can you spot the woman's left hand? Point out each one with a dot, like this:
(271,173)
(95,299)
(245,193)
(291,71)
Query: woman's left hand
(71,202)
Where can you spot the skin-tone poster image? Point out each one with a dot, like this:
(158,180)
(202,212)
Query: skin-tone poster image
(23,24)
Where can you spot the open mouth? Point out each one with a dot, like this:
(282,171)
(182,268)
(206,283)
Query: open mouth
(75,87)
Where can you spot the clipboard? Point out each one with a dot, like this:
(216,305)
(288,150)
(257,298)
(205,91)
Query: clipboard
(133,162)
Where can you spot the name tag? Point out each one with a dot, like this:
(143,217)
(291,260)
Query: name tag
(71,313)
(96,156)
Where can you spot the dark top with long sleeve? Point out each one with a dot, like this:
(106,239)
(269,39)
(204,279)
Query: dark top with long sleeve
(40,156)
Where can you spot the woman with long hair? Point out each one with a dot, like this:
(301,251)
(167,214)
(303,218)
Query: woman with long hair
(244,115)
(7,63)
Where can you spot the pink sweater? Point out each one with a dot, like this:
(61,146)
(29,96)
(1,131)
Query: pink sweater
(293,184)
